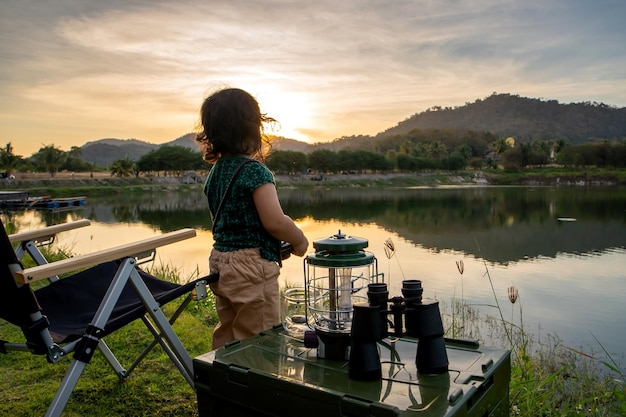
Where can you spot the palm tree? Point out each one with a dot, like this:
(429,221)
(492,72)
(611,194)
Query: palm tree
(498,146)
(437,150)
(123,167)
(8,160)
(50,159)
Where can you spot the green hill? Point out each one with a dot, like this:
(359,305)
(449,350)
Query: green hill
(524,119)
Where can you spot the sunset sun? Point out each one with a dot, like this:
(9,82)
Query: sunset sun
(291,110)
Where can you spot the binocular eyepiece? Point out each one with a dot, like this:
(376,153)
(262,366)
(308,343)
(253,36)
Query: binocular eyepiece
(412,316)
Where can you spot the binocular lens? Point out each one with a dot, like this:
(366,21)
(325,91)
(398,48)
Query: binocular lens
(412,290)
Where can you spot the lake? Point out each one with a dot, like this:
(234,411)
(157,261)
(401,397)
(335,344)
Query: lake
(563,248)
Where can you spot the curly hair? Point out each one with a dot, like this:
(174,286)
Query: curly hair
(232,124)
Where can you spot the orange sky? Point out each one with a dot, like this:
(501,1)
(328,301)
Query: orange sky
(74,71)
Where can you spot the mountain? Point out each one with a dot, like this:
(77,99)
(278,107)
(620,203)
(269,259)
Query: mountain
(104,151)
(284,144)
(524,119)
(503,115)
(186,141)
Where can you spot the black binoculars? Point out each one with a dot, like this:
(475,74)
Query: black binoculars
(411,315)
(286,249)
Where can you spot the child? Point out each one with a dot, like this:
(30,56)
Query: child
(248,220)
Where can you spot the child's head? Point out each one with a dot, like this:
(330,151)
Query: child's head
(231,124)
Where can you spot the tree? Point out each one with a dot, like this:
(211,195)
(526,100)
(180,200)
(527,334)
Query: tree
(454,162)
(346,161)
(379,162)
(73,161)
(287,162)
(514,159)
(170,158)
(8,160)
(498,146)
(407,147)
(123,167)
(405,162)
(437,150)
(323,160)
(538,153)
(463,150)
(49,159)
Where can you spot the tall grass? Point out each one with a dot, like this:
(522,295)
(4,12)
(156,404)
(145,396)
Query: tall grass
(548,378)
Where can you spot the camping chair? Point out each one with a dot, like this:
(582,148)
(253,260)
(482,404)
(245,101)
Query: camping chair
(75,313)
(30,241)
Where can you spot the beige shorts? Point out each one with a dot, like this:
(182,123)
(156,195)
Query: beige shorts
(246,295)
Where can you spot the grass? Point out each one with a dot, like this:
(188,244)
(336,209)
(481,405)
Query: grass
(28,383)
(547,378)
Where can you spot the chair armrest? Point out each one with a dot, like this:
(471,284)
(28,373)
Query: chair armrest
(38,273)
(46,233)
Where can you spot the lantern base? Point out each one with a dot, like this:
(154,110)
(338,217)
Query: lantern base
(333,346)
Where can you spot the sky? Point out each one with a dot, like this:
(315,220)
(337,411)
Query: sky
(74,71)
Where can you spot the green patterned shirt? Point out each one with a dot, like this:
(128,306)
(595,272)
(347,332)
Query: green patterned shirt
(238,225)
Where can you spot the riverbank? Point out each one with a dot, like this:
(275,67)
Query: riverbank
(104,183)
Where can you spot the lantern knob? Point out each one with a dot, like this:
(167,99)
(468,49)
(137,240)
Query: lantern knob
(339,235)
(340,243)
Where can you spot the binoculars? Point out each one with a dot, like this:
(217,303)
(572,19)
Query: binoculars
(411,316)
(286,249)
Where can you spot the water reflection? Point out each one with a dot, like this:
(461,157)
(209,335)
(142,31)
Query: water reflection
(498,224)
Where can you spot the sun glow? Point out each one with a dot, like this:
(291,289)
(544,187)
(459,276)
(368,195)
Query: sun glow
(293,111)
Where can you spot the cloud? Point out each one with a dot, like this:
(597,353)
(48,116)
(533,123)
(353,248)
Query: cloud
(349,67)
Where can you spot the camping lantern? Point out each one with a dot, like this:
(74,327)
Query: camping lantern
(337,276)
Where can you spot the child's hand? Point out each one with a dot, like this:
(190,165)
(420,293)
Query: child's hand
(301,247)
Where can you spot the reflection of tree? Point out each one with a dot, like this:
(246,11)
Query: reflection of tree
(125,213)
(499,224)
(166,210)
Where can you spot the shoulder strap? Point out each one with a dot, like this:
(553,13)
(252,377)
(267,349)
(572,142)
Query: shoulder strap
(228,187)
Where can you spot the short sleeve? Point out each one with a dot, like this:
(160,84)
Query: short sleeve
(254,175)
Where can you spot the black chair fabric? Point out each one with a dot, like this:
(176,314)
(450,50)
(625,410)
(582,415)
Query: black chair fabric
(70,303)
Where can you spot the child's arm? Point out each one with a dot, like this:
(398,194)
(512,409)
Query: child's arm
(275,221)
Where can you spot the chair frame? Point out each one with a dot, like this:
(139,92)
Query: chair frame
(83,348)
(30,241)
